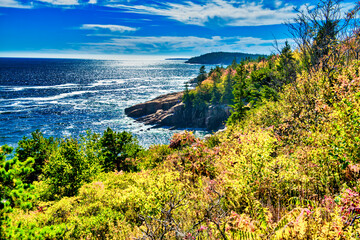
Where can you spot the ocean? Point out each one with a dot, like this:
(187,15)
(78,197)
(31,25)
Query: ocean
(67,97)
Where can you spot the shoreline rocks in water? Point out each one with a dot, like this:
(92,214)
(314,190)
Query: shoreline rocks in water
(169,111)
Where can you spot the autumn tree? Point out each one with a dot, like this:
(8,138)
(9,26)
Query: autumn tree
(318,31)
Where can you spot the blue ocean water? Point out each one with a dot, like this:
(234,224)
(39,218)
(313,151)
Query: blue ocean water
(66,97)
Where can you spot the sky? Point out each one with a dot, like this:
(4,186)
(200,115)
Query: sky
(179,28)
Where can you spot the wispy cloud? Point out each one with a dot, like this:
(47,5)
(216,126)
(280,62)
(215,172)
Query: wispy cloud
(60,2)
(13,4)
(112,28)
(230,12)
(346,7)
(67,2)
(31,3)
(166,44)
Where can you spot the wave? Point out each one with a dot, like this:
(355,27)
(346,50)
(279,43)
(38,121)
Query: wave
(103,82)
(50,98)
(22,88)
(106,82)
(86,96)
(106,122)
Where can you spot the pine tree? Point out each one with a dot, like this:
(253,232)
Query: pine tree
(186,99)
(202,70)
(287,66)
(215,94)
(202,75)
(13,191)
(117,146)
(239,93)
(37,147)
(228,96)
(234,63)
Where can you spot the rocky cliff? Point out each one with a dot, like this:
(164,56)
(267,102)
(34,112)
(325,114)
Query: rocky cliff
(168,110)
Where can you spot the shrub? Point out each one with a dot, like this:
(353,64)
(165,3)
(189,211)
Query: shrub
(37,147)
(15,193)
(181,140)
(68,168)
(116,148)
(154,156)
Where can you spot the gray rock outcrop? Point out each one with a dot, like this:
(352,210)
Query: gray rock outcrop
(169,110)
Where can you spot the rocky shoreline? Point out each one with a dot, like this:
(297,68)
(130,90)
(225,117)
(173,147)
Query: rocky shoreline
(169,111)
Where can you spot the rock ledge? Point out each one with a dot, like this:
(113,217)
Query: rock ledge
(169,111)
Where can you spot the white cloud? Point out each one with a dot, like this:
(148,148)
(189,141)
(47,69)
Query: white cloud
(243,14)
(278,3)
(165,44)
(13,4)
(66,2)
(60,2)
(112,28)
(31,3)
(346,7)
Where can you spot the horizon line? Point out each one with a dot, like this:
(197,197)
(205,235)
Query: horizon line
(105,56)
(92,56)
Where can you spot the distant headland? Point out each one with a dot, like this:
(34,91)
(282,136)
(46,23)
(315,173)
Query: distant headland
(222,58)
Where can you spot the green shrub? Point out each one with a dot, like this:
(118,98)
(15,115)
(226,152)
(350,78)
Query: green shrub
(68,169)
(39,148)
(15,193)
(154,156)
(117,148)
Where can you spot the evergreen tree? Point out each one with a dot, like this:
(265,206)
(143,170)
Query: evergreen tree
(287,66)
(234,63)
(215,94)
(116,148)
(239,92)
(202,70)
(202,75)
(69,166)
(39,148)
(186,99)
(199,104)
(14,192)
(228,96)
(254,67)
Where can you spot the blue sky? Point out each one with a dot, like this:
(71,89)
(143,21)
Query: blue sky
(137,27)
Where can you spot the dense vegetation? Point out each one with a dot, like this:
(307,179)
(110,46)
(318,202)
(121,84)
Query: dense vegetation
(224,58)
(250,82)
(286,167)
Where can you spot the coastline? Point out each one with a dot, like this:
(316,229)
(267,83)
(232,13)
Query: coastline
(169,111)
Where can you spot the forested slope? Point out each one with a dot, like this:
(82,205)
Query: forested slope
(222,58)
(286,167)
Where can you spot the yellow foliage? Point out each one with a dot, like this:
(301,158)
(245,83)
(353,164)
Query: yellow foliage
(289,170)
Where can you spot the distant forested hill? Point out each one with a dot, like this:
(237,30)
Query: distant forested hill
(225,58)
